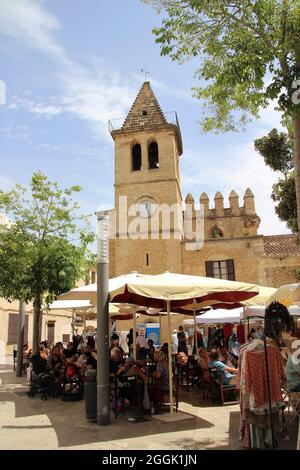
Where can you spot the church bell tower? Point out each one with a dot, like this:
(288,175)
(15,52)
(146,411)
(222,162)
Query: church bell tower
(148,144)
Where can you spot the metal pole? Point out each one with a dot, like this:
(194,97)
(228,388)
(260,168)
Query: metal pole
(103,395)
(195,334)
(21,339)
(269,395)
(160,327)
(170,357)
(245,326)
(73,323)
(134,337)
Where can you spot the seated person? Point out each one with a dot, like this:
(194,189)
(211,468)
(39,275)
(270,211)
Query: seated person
(165,349)
(161,375)
(132,368)
(69,353)
(46,350)
(43,352)
(91,362)
(228,358)
(126,375)
(26,356)
(228,374)
(39,362)
(292,372)
(203,364)
(115,360)
(56,359)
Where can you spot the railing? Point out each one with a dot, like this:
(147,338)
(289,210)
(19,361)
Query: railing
(116,124)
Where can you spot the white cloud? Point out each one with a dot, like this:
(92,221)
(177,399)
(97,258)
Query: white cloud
(27,21)
(238,168)
(39,108)
(95,100)
(6,183)
(269,118)
(166,89)
(19,132)
(93,96)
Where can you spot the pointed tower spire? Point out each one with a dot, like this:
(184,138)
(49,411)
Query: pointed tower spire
(249,206)
(219,204)
(145,113)
(204,201)
(234,203)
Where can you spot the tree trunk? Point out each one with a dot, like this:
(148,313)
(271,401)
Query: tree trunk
(36,324)
(19,371)
(297,166)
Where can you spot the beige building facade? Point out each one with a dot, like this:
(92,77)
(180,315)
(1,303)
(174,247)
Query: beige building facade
(148,148)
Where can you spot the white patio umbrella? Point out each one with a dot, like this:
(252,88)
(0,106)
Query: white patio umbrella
(217,316)
(165,291)
(89,292)
(253,311)
(287,294)
(179,290)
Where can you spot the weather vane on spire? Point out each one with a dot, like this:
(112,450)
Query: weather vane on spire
(145,71)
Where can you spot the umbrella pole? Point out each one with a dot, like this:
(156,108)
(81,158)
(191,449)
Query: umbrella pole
(159,327)
(73,323)
(134,337)
(170,357)
(269,395)
(195,335)
(245,326)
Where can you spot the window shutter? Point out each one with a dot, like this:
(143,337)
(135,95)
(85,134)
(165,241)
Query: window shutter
(13,329)
(209,269)
(13,320)
(230,270)
(65,338)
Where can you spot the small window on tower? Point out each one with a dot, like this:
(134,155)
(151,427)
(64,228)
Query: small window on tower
(136,157)
(153,156)
(145,112)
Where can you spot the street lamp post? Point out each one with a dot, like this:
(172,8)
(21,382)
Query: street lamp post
(103,395)
(21,339)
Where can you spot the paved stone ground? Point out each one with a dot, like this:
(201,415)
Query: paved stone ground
(30,423)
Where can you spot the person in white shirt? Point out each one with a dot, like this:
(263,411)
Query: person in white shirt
(174,348)
(142,345)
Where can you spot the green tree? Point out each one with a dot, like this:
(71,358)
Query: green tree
(249,56)
(43,252)
(277,150)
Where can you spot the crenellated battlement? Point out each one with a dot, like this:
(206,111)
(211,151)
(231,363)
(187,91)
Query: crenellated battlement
(231,221)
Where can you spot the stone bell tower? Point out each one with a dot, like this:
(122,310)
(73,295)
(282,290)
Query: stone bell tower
(147,148)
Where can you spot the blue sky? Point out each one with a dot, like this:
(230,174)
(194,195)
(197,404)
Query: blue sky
(69,66)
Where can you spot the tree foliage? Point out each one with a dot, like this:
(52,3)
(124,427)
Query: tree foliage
(249,56)
(284,194)
(247,51)
(276,148)
(43,252)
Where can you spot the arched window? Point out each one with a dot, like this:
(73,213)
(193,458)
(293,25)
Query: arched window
(153,156)
(216,232)
(136,157)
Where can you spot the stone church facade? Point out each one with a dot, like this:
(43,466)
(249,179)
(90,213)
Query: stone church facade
(148,146)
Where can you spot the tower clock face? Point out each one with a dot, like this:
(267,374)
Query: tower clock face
(147,207)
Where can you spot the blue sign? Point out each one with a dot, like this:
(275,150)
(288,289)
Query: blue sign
(152,332)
